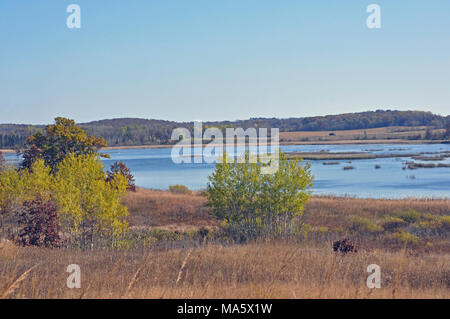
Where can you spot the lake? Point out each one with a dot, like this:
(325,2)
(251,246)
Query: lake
(154,168)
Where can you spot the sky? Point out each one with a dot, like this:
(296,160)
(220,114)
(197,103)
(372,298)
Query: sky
(204,60)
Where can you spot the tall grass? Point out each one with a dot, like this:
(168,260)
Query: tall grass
(408,239)
(171,210)
(260,270)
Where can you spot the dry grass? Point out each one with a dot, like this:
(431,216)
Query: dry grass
(270,270)
(332,211)
(166,210)
(383,133)
(328,218)
(333,217)
(305,269)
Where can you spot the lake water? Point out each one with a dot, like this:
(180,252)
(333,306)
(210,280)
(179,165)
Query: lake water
(154,168)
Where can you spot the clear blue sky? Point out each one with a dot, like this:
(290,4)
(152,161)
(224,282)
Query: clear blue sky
(220,59)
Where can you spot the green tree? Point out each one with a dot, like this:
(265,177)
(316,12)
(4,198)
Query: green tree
(252,203)
(17,187)
(60,139)
(121,168)
(88,205)
(10,193)
(284,194)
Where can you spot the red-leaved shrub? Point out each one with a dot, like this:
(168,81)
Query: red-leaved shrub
(39,224)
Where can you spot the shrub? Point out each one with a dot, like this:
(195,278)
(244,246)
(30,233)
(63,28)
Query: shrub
(179,189)
(203,232)
(303,230)
(364,225)
(166,235)
(432,227)
(39,224)
(323,229)
(345,246)
(445,220)
(392,223)
(405,238)
(430,224)
(410,216)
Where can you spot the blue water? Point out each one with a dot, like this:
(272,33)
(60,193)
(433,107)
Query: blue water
(154,168)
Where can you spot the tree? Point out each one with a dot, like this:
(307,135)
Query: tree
(88,205)
(60,139)
(17,187)
(284,194)
(253,203)
(30,155)
(121,168)
(10,192)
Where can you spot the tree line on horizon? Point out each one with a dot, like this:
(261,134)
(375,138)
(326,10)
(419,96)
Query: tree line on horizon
(134,131)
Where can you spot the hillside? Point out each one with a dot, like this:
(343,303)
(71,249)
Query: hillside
(135,131)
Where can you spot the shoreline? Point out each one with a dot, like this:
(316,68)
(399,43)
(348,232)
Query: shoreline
(288,143)
(196,192)
(343,142)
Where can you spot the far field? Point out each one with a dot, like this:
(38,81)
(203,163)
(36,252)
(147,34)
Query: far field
(393,134)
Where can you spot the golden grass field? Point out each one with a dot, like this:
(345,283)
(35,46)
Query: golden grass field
(268,269)
(264,270)
(390,134)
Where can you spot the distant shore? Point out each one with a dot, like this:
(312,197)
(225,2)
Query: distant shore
(341,142)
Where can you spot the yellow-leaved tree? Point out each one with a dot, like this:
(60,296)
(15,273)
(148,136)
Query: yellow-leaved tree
(17,187)
(90,208)
(10,194)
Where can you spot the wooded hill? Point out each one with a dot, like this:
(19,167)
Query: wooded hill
(134,131)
